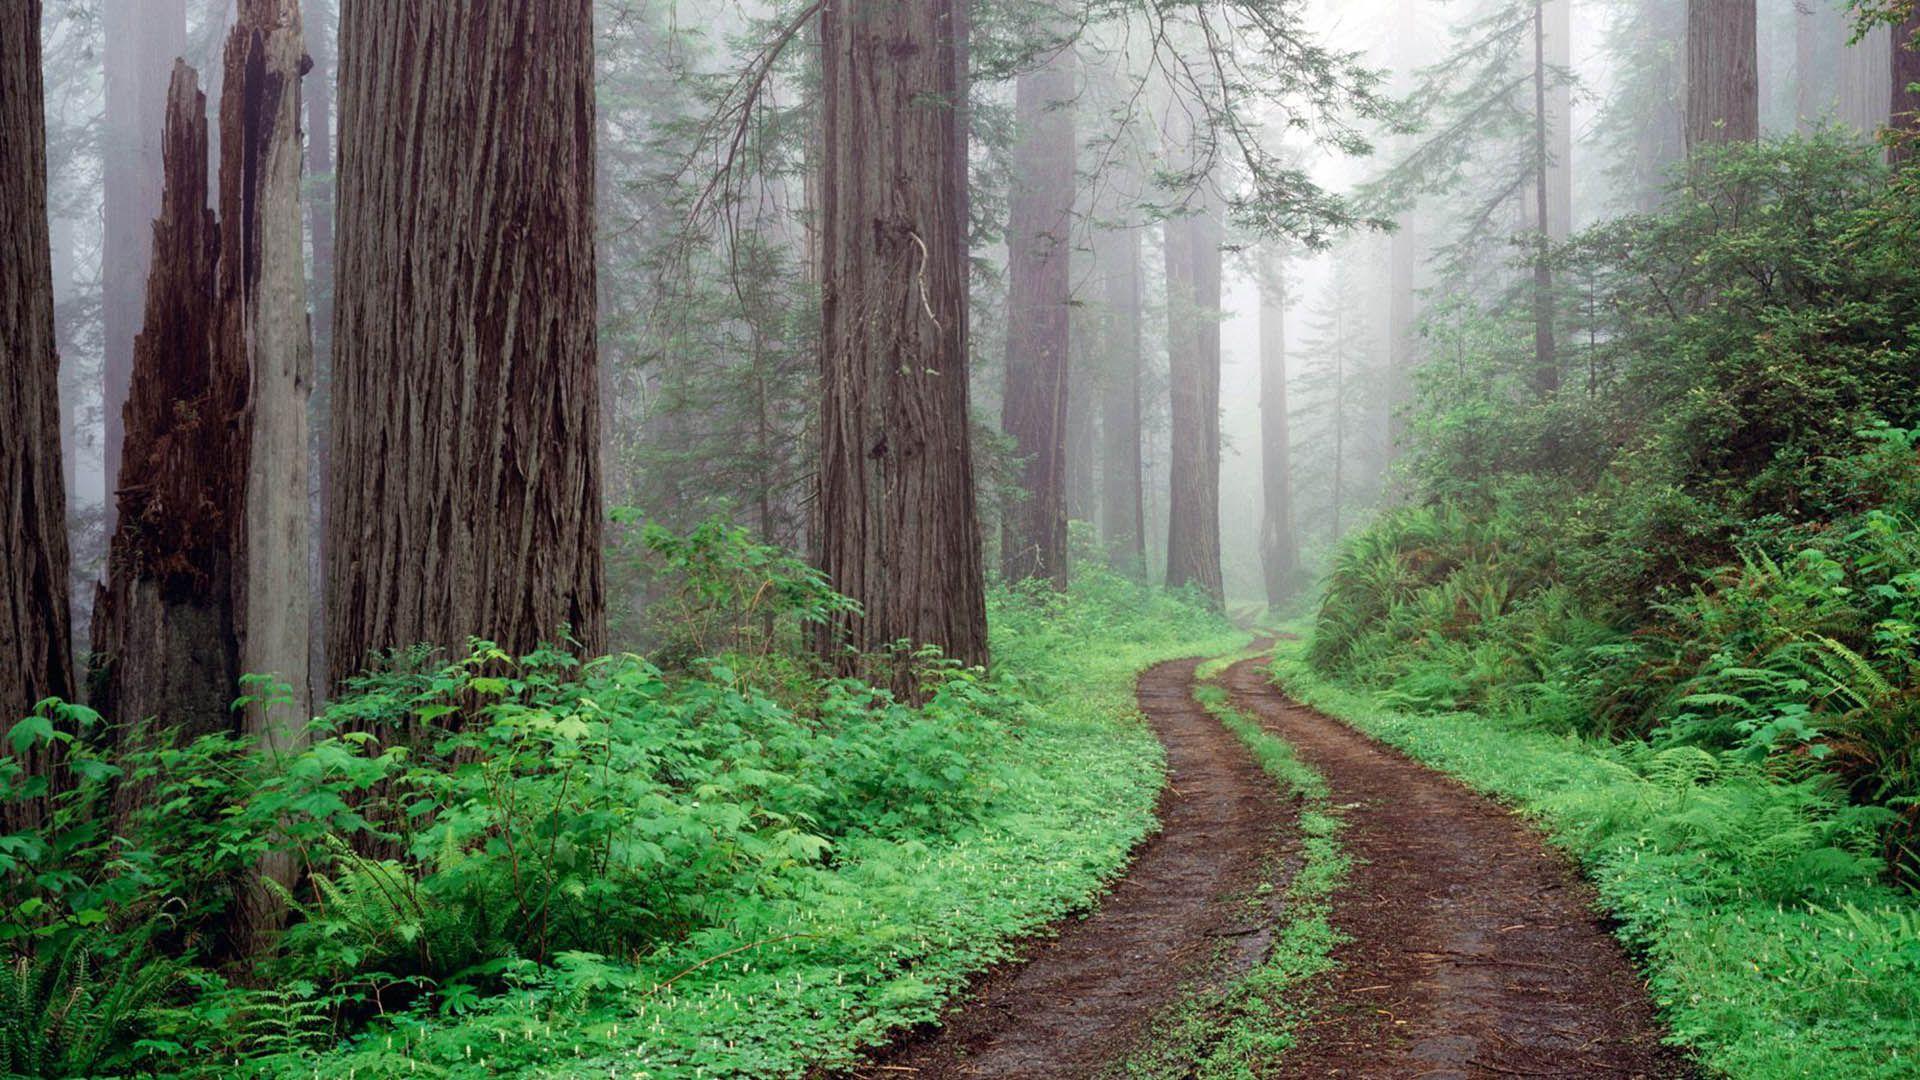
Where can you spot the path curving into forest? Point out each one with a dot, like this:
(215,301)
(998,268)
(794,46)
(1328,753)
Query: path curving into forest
(1474,950)
(1471,951)
(1079,1001)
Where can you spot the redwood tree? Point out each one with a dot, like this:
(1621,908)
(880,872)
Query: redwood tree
(1279,545)
(465,496)
(1039,234)
(897,530)
(1904,102)
(35,661)
(1193,342)
(1723,81)
(1122,515)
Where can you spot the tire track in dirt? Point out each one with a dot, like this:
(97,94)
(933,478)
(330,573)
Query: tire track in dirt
(1079,1001)
(1474,951)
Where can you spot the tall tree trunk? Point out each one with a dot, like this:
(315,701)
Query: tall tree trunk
(1039,248)
(1864,77)
(1193,313)
(1558,47)
(1546,367)
(1279,546)
(1723,83)
(1402,252)
(266,345)
(142,41)
(317,92)
(36,661)
(897,523)
(465,495)
(1122,521)
(1819,33)
(1904,103)
(1339,421)
(1083,420)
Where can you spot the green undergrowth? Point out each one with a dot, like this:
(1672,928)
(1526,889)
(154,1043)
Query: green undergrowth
(1771,947)
(833,958)
(1241,1028)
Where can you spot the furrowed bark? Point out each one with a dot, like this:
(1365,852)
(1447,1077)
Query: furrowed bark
(35,659)
(1039,233)
(1723,84)
(465,495)
(898,530)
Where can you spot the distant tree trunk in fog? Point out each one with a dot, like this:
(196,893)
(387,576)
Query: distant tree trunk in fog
(1904,104)
(35,658)
(1403,249)
(317,92)
(1083,421)
(1193,338)
(465,483)
(1558,43)
(1819,33)
(1122,518)
(1723,82)
(1339,420)
(1546,367)
(142,40)
(1279,547)
(898,530)
(1033,541)
(1659,30)
(1864,78)
(208,570)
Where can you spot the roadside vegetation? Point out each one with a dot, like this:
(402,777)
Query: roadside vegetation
(1675,612)
(724,864)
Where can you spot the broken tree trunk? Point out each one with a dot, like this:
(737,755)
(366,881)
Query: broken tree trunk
(163,634)
(207,573)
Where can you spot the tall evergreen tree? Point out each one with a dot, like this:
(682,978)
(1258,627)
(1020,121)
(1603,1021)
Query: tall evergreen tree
(465,497)
(1039,254)
(1122,510)
(1904,102)
(1279,544)
(898,529)
(1723,73)
(35,659)
(1193,313)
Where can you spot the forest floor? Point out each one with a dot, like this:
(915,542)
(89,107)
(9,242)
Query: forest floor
(1466,947)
